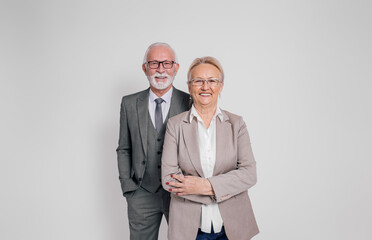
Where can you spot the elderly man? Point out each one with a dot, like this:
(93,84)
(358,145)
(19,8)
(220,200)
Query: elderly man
(143,119)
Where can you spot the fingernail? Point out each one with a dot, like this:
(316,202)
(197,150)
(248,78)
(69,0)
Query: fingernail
(177,194)
(172,175)
(167,183)
(170,189)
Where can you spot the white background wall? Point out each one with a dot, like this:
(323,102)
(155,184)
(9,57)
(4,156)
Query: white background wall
(298,71)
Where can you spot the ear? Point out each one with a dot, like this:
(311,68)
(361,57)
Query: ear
(144,69)
(221,87)
(189,86)
(176,69)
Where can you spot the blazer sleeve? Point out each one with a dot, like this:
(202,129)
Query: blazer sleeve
(124,152)
(170,165)
(244,176)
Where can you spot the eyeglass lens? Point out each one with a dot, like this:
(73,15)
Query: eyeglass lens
(156,64)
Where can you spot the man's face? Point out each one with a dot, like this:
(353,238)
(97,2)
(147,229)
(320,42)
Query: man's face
(160,78)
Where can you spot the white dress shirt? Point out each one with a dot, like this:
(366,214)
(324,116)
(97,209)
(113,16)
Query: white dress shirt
(164,106)
(207,147)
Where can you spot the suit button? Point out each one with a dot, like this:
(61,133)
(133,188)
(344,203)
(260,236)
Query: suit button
(140,179)
(158,139)
(159,166)
(143,162)
(159,152)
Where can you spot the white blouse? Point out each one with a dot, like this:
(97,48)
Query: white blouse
(207,147)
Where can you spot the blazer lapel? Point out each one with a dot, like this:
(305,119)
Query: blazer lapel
(190,135)
(142,116)
(223,136)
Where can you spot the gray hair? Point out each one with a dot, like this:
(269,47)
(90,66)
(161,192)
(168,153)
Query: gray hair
(159,44)
(206,60)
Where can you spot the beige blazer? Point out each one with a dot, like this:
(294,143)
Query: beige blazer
(234,173)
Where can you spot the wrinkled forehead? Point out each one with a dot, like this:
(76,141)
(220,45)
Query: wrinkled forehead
(205,71)
(160,53)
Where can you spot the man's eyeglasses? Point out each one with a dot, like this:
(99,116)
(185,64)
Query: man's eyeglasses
(212,82)
(156,64)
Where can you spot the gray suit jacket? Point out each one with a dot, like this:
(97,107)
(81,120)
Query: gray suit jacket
(132,149)
(234,172)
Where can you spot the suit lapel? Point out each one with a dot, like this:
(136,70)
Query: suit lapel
(142,116)
(190,134)
(176,103)
(223,138)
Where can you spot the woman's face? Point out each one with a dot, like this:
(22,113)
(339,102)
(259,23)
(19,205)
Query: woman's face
(205,95)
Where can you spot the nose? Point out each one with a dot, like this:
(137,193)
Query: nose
(160,69)
(205,86)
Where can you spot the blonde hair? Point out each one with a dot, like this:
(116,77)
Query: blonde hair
(206,60)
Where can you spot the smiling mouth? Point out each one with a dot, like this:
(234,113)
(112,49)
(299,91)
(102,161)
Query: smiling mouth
(205,94)
(160,78)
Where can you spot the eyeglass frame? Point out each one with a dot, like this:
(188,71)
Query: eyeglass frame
(205,80)
(162,63)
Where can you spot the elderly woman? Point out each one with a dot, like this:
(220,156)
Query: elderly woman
(208,164)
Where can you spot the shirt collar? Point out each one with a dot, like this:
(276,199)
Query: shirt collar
(194,113)
(166,97)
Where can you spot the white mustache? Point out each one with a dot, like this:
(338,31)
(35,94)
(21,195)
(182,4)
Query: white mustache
(160,75)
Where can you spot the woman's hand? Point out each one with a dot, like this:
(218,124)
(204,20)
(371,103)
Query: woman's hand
(190,185)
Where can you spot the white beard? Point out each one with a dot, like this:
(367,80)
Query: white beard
(160,85)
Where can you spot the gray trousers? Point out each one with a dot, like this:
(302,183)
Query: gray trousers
(145,211)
